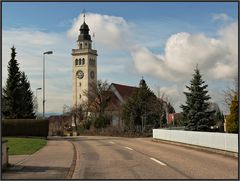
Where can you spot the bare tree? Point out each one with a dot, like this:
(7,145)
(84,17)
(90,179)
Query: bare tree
(98,97)
(78,112)
(231,92)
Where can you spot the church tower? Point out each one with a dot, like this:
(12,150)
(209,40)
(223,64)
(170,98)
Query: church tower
(84,65)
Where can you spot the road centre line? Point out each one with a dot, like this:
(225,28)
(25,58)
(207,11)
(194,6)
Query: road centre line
(128,148)
(161,163)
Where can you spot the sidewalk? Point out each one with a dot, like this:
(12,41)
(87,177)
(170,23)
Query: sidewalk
(51,162)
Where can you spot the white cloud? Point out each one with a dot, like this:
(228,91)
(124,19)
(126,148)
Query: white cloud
(110,31)
(216,57)
(221,16)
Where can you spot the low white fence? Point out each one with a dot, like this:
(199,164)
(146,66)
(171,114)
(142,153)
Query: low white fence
(222,141)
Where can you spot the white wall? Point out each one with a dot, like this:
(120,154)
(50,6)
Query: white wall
(222,141)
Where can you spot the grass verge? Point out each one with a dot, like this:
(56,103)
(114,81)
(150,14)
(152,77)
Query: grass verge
(24,146)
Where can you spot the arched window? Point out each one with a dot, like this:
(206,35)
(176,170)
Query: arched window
(80,45)
(79,61)
(83,61)
(76,61)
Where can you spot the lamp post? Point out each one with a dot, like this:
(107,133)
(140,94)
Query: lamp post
(39,88)
(48,52)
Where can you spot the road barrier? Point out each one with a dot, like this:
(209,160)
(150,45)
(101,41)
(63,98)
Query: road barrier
(221,141)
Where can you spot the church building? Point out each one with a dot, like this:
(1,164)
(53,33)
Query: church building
(84,73)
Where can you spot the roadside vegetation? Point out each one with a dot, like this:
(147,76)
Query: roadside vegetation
(24,146)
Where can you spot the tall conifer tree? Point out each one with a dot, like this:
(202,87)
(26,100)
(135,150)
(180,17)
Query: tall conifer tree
(196,114)
(27,105)
(11,93)
(17,96)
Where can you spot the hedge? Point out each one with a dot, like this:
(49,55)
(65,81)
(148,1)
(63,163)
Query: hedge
(25,127)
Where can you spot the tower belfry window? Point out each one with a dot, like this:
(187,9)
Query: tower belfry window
(83,61)
(79,61)
(76,62)
(80,45)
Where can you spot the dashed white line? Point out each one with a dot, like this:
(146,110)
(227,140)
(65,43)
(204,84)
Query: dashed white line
(128,148)
(158,161)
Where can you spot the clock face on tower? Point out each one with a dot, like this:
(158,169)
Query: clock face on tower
(92,74)
(80,74)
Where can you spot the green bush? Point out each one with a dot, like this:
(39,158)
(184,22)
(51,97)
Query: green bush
(25,127)
(232,119)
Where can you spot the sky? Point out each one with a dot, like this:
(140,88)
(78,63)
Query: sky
(161,41)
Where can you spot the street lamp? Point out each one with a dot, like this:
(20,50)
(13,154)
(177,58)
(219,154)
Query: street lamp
(39,88)
(48,52)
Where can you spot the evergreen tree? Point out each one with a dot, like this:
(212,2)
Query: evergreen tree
(195,112)
(12,93)
(143,105)
(27,104)
(17,95)
(232,119)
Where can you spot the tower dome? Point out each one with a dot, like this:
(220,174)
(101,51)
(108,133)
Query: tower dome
(84,32)
(142,83)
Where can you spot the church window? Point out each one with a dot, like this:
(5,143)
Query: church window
(80,96)
(80,45)
(83,61)
(76,61)
(79,61)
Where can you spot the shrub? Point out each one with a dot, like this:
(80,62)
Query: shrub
(25,127)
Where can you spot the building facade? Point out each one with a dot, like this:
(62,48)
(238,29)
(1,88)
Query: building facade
(84,66)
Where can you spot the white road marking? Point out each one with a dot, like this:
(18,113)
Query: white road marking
(111,142)
(158,161)
(128,148)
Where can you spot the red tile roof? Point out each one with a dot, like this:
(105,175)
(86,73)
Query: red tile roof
(124,90)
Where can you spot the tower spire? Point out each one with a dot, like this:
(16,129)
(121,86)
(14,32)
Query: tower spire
(84,11)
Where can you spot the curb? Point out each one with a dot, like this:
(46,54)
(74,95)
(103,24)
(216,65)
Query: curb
(74,160)
(211,150)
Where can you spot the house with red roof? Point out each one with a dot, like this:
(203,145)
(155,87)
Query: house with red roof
(118,95)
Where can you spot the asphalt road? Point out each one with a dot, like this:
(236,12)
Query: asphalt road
(141,158)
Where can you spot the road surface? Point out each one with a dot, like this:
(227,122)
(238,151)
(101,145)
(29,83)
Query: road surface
(141,158)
